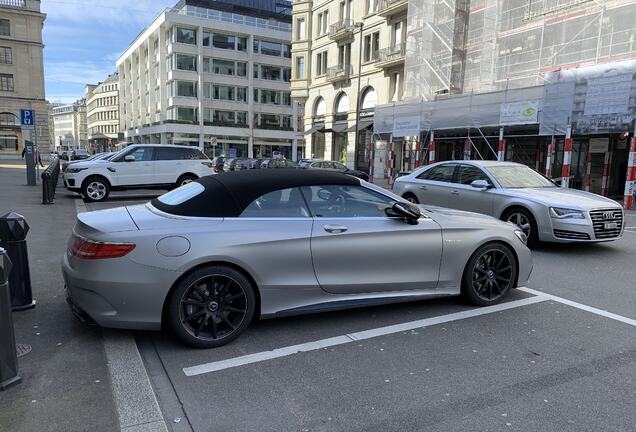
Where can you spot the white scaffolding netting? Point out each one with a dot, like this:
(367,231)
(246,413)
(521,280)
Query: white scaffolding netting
(465,58)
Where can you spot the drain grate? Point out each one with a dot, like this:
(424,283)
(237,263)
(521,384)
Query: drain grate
(23,349)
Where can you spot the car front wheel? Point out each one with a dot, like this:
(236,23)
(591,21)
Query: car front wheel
(185,179)
(95,189)
(211,307)
(490,273)
(526,223)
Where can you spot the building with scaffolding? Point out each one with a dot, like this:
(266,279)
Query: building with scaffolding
(540,82)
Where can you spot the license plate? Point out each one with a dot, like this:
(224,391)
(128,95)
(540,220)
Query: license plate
(611,225)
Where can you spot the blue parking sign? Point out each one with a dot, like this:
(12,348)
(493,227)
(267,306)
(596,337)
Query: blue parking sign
(27,117)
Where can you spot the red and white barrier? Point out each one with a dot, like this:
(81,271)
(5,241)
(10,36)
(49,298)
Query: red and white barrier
(606,166)
(630,182)
(548,159)
(468,146)
(537,159)
(567,159)
(588,172)
(391,163)
(418,150)
(501,154)
(431,149)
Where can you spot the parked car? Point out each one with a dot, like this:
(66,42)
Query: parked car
(95,157)
(244,164)
(334,166)
(230,164)
(278,163)
(515,193)
(217,164)
(137,167)
(79,154)
(197,258)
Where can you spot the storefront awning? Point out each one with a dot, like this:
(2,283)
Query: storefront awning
(317,128)
(339,127)
(363,125)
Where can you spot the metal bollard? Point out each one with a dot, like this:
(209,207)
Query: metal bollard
(13,231)
(8,356)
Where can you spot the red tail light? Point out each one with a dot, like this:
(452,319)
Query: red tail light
(87,249)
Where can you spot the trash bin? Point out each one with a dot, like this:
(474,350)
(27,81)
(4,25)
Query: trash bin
(13,232)
(8,356)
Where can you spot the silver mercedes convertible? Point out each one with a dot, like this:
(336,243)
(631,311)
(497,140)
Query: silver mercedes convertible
(207,258)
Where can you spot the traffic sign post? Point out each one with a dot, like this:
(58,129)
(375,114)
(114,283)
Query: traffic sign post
(27,120)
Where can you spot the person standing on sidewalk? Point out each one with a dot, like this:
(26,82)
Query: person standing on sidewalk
(38,156)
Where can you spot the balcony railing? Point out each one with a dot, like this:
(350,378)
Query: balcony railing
(339,72)
(391,7)
(13,3)
(342,29)
(391,56)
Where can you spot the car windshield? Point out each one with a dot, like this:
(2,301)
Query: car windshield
(518,177)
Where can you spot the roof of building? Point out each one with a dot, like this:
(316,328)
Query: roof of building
(228,194)
(279,10)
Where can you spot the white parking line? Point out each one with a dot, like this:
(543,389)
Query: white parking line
(357,336)
(582,306)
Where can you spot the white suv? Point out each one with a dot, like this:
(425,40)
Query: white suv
(137,167)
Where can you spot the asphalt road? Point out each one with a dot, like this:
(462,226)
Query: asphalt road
(546,366)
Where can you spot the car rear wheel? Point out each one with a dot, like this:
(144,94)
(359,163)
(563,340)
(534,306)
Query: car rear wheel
(411,198)
(185,179)
(95,189)
(490,273)
(526,223)
(211,307)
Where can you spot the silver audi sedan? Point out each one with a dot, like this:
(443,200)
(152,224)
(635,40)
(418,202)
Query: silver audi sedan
(207,258)
(516,193)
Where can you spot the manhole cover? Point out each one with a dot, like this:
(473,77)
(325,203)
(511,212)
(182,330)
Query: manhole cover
(23,349)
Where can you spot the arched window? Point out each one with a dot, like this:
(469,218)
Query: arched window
(342,107)
(320,107)
(8,119)
(368,99)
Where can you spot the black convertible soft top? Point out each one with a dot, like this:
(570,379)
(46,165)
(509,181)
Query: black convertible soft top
(228,194)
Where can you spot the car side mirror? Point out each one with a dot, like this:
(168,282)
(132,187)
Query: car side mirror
(480,184)
(410,212)
(129,158)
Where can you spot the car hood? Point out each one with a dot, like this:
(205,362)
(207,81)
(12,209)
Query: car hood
(445,217)
(560,197)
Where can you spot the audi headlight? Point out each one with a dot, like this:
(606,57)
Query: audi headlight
(566,213)
(522,236)
(74,170)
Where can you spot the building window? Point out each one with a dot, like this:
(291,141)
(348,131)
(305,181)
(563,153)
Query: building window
(323,23)
(5,27)
(321,63)
(223,67)
(184,114)
(8,119)
(372,6)
(344,55)
(8,143)
(186,88)
(186,36)
(6,55)
(186,62)
(371,46)
(224,93)
(300,67)
(224,41)
(300,29)
(206,38)
(6,82)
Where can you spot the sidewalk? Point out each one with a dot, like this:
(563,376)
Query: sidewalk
(66,384)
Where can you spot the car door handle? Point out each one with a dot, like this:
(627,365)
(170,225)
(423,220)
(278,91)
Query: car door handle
(423,187)
(455,193)
(335,228)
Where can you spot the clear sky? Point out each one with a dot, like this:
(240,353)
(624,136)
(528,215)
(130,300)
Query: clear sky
(83,39)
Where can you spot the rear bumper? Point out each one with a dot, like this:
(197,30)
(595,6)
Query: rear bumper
(117,293)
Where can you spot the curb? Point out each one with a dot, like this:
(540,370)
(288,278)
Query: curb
(137,406)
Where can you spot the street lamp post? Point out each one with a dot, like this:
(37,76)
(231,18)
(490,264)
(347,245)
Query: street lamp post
(357,139)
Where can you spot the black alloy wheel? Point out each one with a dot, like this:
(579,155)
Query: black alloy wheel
(212,307)
(490,273)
